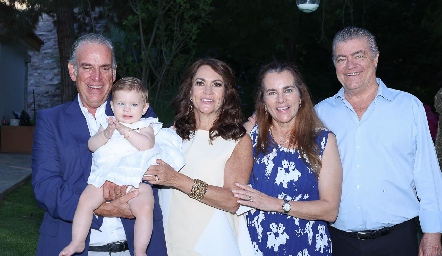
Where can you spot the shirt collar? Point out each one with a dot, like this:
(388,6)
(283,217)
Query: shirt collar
(101,110)
(94,122)
(382,92)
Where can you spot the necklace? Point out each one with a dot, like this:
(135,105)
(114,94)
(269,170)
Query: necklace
(282,139)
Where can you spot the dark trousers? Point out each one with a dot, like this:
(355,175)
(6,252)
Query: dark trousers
(401,241)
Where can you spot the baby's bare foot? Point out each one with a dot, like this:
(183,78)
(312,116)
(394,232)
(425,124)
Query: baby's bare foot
(72,248)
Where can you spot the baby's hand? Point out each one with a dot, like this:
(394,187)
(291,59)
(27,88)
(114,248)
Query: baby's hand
(112,121)
(120,127)
(124,130)
(110,127)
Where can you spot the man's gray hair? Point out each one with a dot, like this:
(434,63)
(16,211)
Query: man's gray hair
(349,33)
(91,39)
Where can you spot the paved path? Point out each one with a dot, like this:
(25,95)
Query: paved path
(15,169)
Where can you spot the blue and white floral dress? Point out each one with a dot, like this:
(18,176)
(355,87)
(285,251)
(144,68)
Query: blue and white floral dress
(282,173)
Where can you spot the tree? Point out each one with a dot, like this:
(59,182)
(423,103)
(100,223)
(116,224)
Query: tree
(155,40)
(16,22)
(66,37)
(247,35)
(65,18)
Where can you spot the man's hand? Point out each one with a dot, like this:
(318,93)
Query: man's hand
(118,207)
(430,245)
(112,191)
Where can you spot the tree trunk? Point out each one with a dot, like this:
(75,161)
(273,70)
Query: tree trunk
(66,35)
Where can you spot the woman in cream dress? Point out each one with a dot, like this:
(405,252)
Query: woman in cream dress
(199,209)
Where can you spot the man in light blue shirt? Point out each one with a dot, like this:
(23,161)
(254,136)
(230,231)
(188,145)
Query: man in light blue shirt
(391,173)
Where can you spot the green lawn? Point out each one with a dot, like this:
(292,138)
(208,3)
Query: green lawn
(20,219)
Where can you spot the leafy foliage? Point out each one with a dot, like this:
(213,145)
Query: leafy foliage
(15,23)
(248,35)
(155,40)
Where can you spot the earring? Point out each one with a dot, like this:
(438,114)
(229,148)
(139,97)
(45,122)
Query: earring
(190,107)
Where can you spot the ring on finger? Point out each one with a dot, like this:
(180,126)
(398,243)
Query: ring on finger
(250,199)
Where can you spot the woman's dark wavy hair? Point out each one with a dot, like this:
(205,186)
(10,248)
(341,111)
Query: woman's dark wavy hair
(228,125)
(305,129)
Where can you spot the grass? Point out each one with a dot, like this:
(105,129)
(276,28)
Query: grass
(20,219)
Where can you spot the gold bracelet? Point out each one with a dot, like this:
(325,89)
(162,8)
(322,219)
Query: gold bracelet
(128,134)
(199,188)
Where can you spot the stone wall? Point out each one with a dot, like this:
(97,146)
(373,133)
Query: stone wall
(44,80)
(44,69)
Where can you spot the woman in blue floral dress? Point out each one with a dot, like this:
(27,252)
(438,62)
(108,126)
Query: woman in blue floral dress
(295,186)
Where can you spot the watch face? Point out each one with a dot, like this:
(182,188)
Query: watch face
(286,207)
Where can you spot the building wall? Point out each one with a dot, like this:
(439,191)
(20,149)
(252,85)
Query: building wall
(13,74)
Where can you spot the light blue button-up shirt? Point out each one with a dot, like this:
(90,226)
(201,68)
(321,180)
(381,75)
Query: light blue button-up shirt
(390,170)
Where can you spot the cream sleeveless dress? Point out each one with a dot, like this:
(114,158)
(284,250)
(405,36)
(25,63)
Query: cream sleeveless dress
(194,228)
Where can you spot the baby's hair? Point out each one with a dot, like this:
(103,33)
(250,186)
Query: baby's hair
(130,84)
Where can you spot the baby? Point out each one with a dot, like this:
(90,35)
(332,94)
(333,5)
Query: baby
(123,151)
